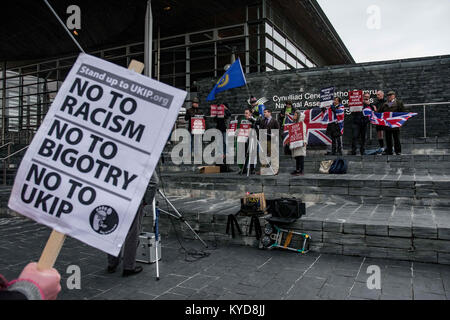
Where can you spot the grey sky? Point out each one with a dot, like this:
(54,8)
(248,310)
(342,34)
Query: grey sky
(408,29)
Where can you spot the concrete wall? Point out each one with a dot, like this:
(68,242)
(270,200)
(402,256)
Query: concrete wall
(420,80)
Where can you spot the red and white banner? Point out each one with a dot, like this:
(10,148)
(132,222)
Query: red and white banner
(355,100)
(244,131)
(217,111)
(232,128)
(198,125)
(296,135)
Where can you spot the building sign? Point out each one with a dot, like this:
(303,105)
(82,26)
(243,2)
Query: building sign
(88,166)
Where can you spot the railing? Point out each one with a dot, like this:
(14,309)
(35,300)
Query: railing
(5,161)
(424,105)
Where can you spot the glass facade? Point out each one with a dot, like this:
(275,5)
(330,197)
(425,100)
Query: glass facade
(261,40)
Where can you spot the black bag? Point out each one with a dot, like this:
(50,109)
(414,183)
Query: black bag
(285,210)
(339,166)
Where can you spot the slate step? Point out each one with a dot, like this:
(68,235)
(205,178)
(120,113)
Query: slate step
(410,233)
(426,190)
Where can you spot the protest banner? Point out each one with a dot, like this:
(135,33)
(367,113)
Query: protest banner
(217,110)
(89,164)
(244,131)
(326,97)
(355,100)
(198,125)
(220,111)
(296,135)
(232,128)
(214,110)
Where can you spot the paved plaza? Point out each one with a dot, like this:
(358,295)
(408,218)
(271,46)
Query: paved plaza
(226,272)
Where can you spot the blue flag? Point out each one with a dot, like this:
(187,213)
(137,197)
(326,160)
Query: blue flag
(233,78)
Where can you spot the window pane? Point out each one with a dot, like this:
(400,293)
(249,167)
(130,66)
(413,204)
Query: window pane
(269,29)
(269,58)
(269,44)
(280,52)
(279,38)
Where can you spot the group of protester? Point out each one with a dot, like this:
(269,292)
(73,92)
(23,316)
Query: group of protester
(261,118)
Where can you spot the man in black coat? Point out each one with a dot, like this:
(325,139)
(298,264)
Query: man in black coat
(359,127)
(380,129)
(269,124)
(392,105)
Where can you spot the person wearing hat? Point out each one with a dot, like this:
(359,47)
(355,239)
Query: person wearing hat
(392,105)
(191,112)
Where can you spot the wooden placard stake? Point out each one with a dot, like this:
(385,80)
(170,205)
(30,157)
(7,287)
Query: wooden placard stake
(56,239)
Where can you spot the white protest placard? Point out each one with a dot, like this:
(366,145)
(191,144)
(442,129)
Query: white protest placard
(89,164)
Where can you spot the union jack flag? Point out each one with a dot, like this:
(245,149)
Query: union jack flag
(316,127)
(289,120)
(388,119)
(329,116)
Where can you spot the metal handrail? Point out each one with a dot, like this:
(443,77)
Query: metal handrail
(13,154)
(6,144)
(6,158)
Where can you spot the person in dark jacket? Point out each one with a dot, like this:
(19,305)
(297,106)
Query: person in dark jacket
(380,129)
(359,127)
(333,129)
(393,105)
(191,112)
(269,124)
(222,126)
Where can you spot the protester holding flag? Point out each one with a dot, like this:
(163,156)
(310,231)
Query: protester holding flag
(335,128)
(380,129)
(392,105)
(299,153)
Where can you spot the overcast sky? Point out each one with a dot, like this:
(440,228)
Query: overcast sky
(375,30)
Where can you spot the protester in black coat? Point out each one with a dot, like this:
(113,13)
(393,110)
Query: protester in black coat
(359,127)
(393,105)
(380,129)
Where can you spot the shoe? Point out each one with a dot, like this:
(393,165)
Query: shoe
(328,153)
(295,173)
(111,269)
(398,153)
(127,273)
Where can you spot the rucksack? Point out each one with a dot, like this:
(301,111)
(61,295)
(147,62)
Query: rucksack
(339,166)
(285,210)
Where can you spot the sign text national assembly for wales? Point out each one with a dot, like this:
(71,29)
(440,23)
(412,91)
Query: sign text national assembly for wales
(89,164)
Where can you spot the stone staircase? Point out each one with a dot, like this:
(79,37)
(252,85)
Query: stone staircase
(394,207)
